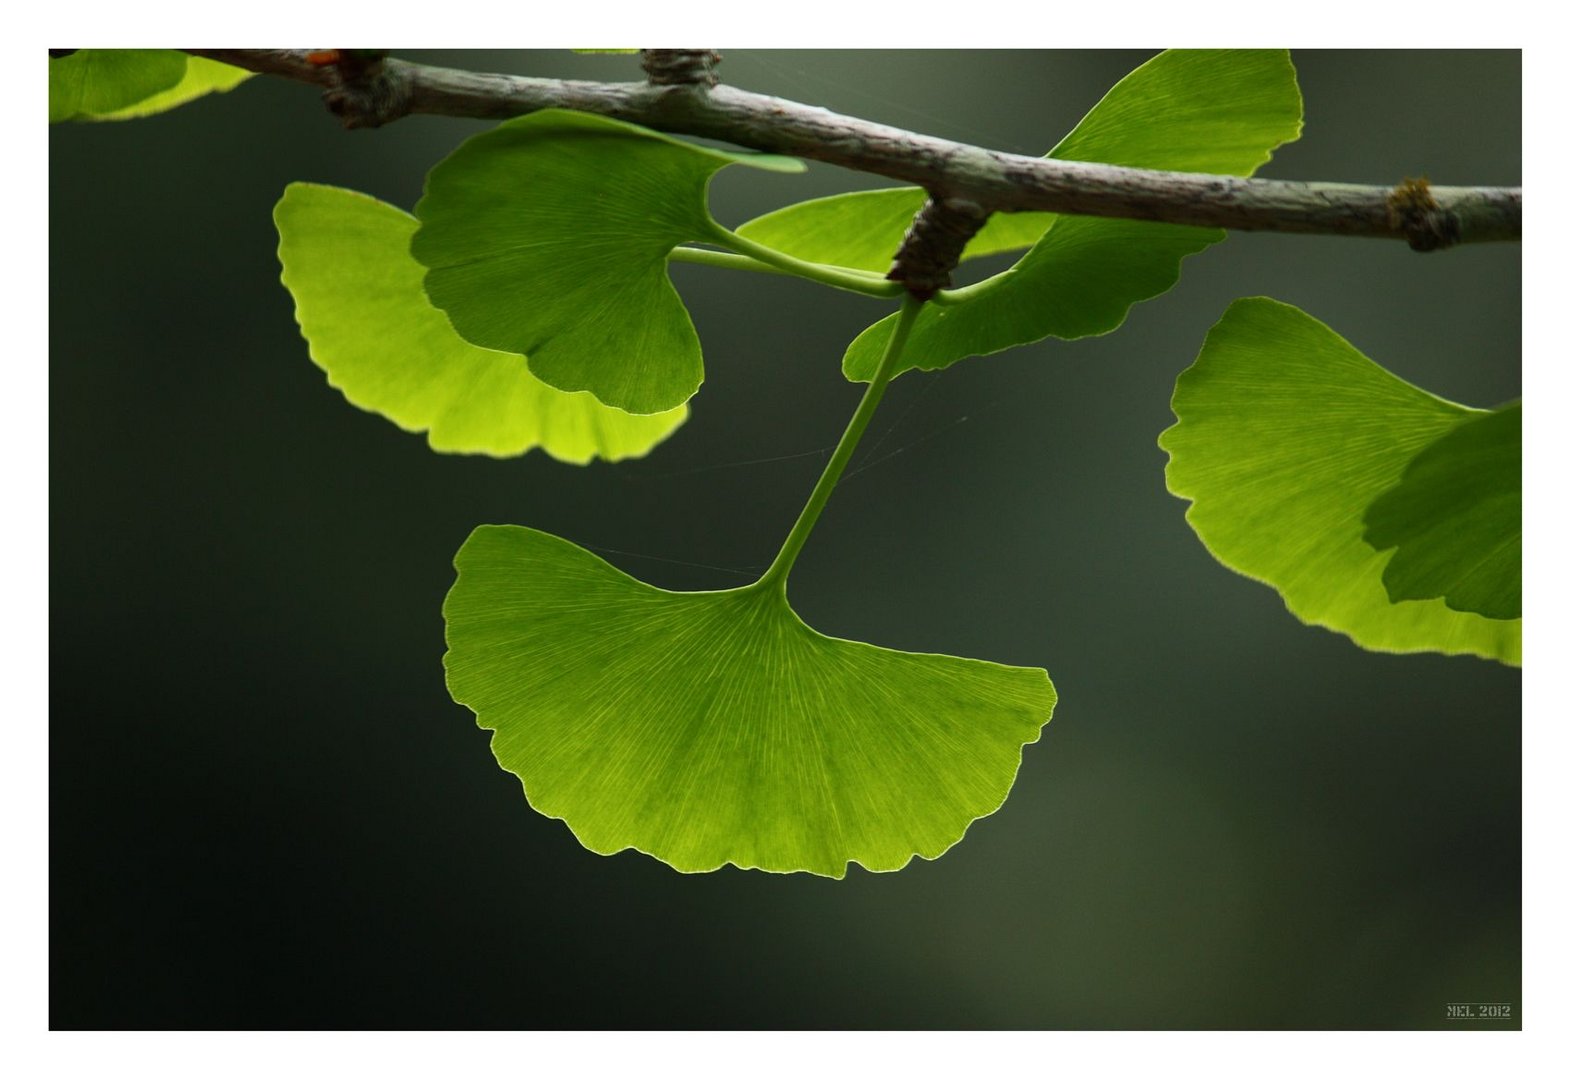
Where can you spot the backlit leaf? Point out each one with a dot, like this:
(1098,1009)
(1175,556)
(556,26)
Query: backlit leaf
(860,229)
(361,305)
(716,727)
(1079,280)
(202,77)
(1210,110)
(1455,519)
(91,83)
(863,229)
(548,235)
(1286,434)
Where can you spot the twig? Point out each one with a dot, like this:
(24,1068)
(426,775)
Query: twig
(994,181)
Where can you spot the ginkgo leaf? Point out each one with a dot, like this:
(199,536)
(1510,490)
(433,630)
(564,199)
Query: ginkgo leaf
(716,727)
(863,229)
(91,83)
(1079,280)
(1455,519)
(1185,110)
(361,305)
(859,229)
(548,235)
(1206,110)
(202,77)
(1285,436)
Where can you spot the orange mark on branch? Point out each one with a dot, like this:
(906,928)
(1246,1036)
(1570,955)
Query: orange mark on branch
(1409,199)
(324,57)
(1412,208)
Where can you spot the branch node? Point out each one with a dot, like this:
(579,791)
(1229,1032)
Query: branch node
(681,67)
(933,244)
(361,91)
(1411,207)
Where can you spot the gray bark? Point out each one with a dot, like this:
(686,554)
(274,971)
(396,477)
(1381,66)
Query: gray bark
(379,91)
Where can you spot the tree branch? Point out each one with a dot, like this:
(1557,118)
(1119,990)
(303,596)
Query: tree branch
(369,93)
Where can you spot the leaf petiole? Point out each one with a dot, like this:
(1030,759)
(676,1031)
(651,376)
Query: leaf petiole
(838,277)
(780,569)
(726,260)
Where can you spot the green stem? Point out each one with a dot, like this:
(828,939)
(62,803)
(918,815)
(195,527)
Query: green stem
(724,259)
(780,569)
(839,277)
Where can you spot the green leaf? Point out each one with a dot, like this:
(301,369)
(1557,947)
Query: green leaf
(1079,280)
(202,77)
(91,83)
(360,304)
(716,727)
(1208,110)
(1193,110)
(863,229)
(1455,519)
(1285,436)
(860,229)
(548,236)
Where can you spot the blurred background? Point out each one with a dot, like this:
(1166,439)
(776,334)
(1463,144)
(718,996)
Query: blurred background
(266,811)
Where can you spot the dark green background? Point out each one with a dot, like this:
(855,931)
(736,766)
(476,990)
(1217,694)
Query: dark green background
(266,812)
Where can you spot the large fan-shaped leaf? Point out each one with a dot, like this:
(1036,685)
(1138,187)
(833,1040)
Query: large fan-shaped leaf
(1285,435)
(361,305)
(1210,110)
(1455,519)
(548,235)
(713,728)
(93,82)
